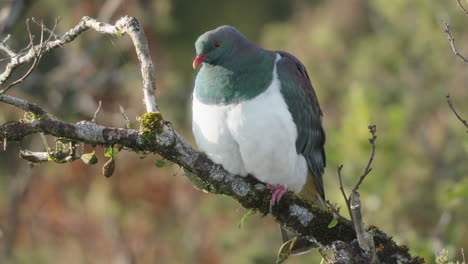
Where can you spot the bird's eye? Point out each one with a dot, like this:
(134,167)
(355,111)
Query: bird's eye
(217,44)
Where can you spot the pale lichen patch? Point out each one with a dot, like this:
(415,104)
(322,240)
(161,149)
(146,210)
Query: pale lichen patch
(240,187)
(259,187)
(217,173)
(303,215)
(89,130)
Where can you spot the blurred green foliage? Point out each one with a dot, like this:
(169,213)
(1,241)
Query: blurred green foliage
(382,62)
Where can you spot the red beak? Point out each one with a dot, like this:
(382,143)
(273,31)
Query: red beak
(199,59)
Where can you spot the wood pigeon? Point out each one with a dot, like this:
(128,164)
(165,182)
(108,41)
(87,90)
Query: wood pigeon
(255,112)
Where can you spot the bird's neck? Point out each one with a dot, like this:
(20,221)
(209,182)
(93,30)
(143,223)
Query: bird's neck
(235,79)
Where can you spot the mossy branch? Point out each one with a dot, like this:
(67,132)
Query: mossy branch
(158,136)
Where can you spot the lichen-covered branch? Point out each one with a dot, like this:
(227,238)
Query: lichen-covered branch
(125,25)
(158,136)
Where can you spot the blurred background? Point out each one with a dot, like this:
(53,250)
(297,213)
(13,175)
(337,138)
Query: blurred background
(382,62)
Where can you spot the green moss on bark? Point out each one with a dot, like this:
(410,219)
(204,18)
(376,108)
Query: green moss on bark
(152,122)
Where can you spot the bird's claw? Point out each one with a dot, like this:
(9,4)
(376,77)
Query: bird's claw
(277,194)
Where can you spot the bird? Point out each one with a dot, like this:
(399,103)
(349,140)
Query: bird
(255,112)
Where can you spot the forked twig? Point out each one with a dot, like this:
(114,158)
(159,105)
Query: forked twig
(353,202)
(37,54)
(125,25)
(368,169)
(50,31)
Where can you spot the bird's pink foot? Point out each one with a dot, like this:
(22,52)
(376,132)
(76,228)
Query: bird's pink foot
(277,194)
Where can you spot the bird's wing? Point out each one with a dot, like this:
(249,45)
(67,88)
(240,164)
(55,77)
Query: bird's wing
(307,115)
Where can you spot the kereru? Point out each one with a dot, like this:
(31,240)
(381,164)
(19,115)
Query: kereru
(255,112)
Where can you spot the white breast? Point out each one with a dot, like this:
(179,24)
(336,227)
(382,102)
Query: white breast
(255,137)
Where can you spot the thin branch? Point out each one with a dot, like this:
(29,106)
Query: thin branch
(25,105)
(450,103)
(50,31)
(452,42)
(5,48)
(37,53)
(124,25)
(97,111)
(353,202)
(343,192)
(462,7)
(135,31)
(368,169)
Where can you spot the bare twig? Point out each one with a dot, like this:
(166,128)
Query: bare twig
(135,31)
(5,48)
(6,39)
(124,25)
(450,103)
(343,192)
(462,7)
(37,56)
(50,31)
(97,111)
(452,42)
(353,202)
(368,169)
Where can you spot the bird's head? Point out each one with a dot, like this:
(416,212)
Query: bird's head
(217,45)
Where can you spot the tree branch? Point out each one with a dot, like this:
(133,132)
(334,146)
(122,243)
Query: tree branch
(452,42)
(158,136)
(125,25)
(368,169)
(450,103)
(462,7)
